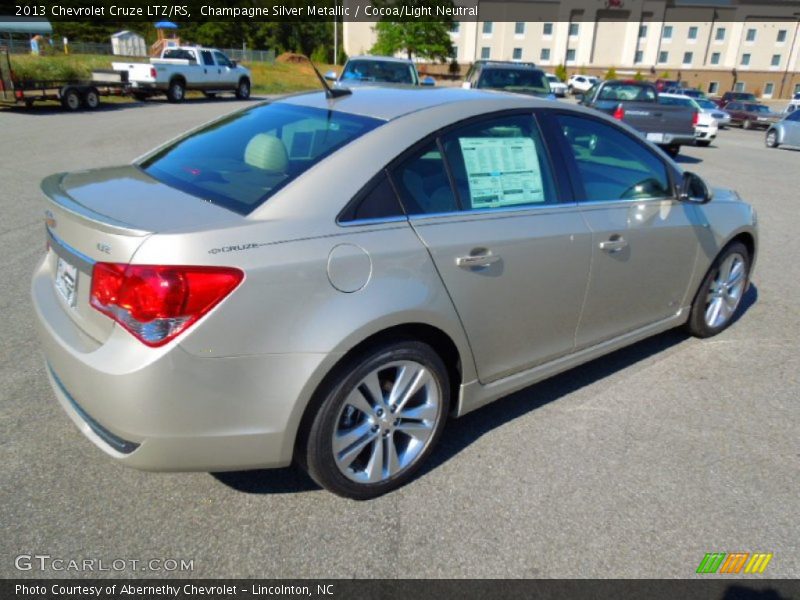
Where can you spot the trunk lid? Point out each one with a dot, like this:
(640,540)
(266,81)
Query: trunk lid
(105,215)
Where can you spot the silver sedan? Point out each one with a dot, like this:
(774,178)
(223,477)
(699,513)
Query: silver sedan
(328,279)
(785,132)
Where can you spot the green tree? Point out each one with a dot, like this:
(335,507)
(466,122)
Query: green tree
(610,74)
(638,76)
(418,39)
(561,72)
(665,75)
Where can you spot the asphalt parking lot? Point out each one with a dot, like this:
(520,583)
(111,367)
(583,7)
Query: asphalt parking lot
(635,465)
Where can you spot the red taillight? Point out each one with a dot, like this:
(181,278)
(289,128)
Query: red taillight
(619,114)
(695,118)
(156,303)
(153,72)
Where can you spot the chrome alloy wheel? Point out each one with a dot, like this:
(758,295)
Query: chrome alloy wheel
(726,291)
(386,422)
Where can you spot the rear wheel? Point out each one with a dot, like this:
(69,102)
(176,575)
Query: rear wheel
(721,292)
(176,91)
(379,420)
(673,151)
(140,97)
(747,124)
(772,139)
(91,99)
(703,143)
(71,99)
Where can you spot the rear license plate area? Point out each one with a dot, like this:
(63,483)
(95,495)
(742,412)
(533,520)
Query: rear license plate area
(67,281)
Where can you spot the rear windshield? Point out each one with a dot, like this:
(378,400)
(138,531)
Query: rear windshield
(756,108)
(628,91)
(524,81)
(178,53)
(378,70)
(243,159)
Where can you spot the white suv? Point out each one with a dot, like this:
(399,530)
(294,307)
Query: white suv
(581,83)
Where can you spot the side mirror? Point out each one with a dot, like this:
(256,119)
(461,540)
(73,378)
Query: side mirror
(234,64)
(694,189)
(428,80)
(331,76)
(466,85)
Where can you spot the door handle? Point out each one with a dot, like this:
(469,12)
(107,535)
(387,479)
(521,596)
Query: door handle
(478,260)
(614,244)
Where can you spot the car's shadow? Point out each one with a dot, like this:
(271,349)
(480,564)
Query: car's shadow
(689,160)
(460,433)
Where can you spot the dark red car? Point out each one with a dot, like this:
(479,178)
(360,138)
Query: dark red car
(751,115)
(663,84)
(729,97)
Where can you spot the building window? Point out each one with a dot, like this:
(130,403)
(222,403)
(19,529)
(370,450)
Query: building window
(739,87)
(663,56)
(642,31)
(769,88)
(751,35)
(715,56)
(571,55)
(745,60)
(781,36)
(548,29)
(544,55)
(776,60)
(455,28)
(687,58)
(639,57)
(692,33)
(720,35)
(517,54)
(713,87)
(485,53)
(796,88)
(573,29)
(454,54)
(487,27)
(667,34)
(519,28)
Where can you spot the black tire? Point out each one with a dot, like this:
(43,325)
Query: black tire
(243,89)
(703,143)
(672,151)
(140,97)
(176,91)
(211,95)
(71,100)
(747,124)
(697,325)
(91,99)
(771,139)
(318,454)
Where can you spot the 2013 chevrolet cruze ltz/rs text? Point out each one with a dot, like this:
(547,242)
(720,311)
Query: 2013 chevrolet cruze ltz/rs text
(328,279)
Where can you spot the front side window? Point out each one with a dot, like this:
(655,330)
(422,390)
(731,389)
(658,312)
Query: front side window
(500,163)
(240,161)
(208,59)
(222,60)
(611,165)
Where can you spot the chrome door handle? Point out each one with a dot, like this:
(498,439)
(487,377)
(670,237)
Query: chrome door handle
(480,260)
(615,244)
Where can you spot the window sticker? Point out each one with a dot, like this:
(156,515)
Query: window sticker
(502,171)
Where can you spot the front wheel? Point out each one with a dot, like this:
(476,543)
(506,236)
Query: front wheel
(243,89)
(747,124)
(672,151)
(91,99)
(703,143)
(379,420)
(771,139)
(721,292)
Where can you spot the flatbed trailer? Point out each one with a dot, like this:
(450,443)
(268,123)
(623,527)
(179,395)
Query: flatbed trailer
(72,94)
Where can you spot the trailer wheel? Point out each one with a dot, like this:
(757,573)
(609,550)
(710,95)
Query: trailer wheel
(176,91)
(29,103)
(71,99)
(91,99)
(139,96)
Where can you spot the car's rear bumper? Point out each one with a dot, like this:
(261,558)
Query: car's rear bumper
(166,409)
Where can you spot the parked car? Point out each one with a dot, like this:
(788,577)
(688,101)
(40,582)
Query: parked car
(512,77)
(371,70)
(663,84)
(709,107)
(729,97)
(705,129)
(793,105)
(785,132)
(749,115)
(636,103)
(473,243)
(558,87)
(580,84)
(682,91)
(187,68)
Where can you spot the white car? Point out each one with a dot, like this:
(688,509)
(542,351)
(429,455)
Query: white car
(706,127)
(581,84)
(793,105)
(187,68)
(707,106)
(558,87)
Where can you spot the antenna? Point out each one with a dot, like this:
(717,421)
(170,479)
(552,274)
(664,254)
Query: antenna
(329,91)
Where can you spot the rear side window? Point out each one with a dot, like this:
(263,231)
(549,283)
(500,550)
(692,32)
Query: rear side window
(208,60)
(423,183)
(377,201)
(240,161)
(613,166)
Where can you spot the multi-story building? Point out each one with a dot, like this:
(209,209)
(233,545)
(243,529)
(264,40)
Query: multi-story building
(716,45)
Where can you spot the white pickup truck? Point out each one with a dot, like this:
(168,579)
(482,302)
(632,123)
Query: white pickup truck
(186,68)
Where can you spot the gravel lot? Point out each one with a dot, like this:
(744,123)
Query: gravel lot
(635,465)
